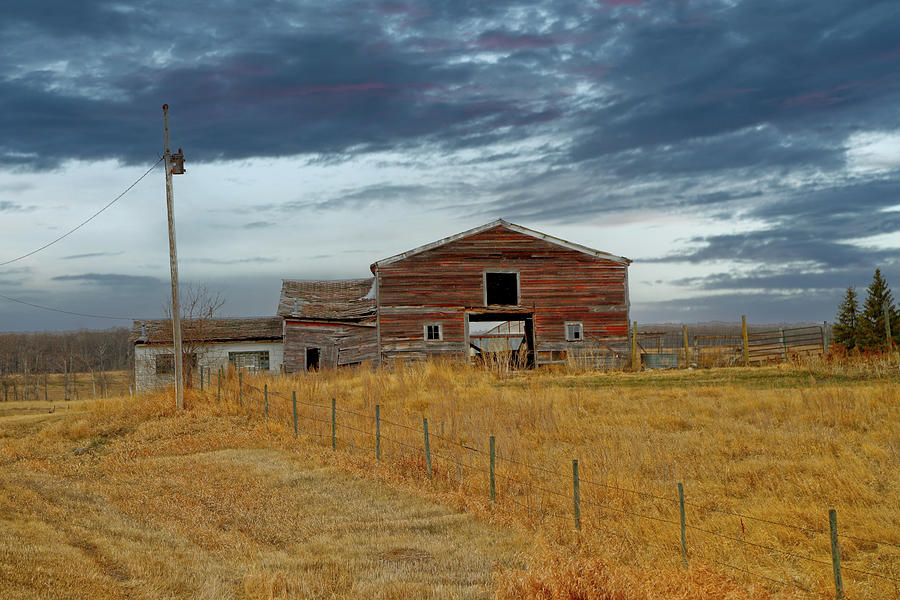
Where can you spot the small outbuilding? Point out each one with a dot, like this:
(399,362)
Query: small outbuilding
(251,343)
(328,323)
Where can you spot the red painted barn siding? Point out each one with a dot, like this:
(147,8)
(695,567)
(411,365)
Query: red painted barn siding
(557,284)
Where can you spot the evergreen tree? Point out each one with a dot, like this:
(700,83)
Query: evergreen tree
(871,320)
(846,327)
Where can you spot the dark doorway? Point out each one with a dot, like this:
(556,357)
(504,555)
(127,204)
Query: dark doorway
(312,359)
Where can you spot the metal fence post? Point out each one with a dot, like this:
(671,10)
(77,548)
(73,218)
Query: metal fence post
(576,495)
(333,425)
(201,378)
(266,397)
(887,327)
(377,432)
(687,348)
(683,538)
(493,467)
(294,402)
(218,388)
(241,388)
(427,447)
(835,556)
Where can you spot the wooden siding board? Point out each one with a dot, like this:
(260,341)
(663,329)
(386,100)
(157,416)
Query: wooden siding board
(338,343)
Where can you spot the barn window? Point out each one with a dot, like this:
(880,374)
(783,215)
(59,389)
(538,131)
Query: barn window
(434,332)
(574,332)
(165,364)
(501,288)
(252,360)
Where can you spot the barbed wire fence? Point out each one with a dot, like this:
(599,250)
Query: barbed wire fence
(674,526)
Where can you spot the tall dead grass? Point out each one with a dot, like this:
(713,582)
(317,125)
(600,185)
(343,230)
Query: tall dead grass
(763,454)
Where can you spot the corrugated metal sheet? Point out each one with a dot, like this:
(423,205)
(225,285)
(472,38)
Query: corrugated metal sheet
(159,331)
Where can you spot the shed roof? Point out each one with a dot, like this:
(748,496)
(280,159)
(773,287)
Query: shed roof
(511,227)
(345,299)
(159,331)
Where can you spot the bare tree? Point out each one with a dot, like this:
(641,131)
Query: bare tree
(199,306)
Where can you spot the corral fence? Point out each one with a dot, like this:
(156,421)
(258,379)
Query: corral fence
(726,344)
(676,526)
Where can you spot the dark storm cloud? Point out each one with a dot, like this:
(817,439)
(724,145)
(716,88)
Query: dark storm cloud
(91,255)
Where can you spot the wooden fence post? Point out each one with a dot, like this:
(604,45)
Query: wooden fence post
(687,349)
(427,447)
(493,466)
(294,403)
(887,327)
(266,396)
(746,340)
(576,495)
(635,357)
(835,556)
(333,425)
(377,432)
(683,538)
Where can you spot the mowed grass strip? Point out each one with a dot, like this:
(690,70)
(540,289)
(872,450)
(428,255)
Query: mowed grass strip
(134,501)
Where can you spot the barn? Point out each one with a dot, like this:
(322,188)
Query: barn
(252,343)
(328,323)
(568,300)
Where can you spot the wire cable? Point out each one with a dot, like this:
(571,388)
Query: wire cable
(65,312)
(83,223)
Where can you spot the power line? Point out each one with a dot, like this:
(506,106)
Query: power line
(65,312)
(82,224)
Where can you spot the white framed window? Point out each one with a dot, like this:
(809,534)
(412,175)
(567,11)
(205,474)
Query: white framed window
(434,332)
(574,331)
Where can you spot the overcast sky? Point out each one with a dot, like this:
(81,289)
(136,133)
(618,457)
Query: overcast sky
(745,155)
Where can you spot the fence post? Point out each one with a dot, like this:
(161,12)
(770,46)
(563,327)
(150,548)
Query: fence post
(687,349)
(835,556)
(377,432)
(333,425)
(825,338)
(219,388)
(783,345)
(241,388)
(746,340)
(683,538)
(266,396)
(576,495)
(493,466)
(201,378)
(635,357)
(887,327)
(294,402)
(427,447)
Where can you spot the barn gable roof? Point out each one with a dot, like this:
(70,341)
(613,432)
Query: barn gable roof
(346,299)
(159,331)
(510,226)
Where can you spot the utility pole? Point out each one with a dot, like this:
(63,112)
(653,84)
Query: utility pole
(173,260)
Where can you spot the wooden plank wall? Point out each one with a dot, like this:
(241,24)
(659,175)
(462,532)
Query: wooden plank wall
(338,343)
(557,284)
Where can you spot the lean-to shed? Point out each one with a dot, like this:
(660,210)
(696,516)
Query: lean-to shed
(571,301)
(327,323)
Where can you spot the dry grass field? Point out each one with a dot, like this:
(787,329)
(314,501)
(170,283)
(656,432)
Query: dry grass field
(130,499)
(82,386)
(127,499)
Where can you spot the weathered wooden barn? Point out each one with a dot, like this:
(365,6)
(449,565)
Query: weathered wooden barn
(572,301)
(246,343)
(328,323)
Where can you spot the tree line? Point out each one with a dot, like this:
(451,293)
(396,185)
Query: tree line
(872,326)
(26,359)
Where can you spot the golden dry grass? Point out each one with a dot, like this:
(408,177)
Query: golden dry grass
(81,387)
(130,499)
(780,444)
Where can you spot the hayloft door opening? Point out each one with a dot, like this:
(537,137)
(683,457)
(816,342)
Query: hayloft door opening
(312,359)
(506,338)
